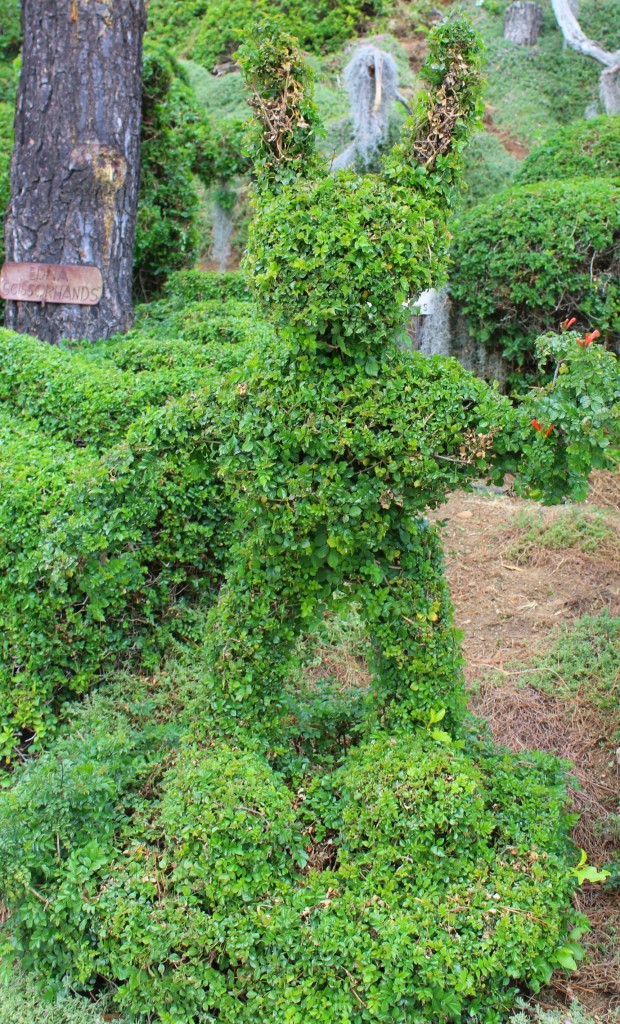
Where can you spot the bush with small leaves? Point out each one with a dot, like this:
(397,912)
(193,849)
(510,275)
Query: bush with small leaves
(184,874)
(299,857)
(583,149)
(569,426)
(533,249)
(101,557)
(89,403)
(178,143)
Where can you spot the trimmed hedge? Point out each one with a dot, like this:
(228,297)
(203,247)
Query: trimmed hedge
(187,286)
(79,399)
(194,361)
(583,149)
(100,557)
(179,873)
(536,254)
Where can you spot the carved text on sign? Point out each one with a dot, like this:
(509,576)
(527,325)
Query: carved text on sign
(51,282)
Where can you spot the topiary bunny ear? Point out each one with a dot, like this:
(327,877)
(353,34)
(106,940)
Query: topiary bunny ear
(285,117)
(429,154)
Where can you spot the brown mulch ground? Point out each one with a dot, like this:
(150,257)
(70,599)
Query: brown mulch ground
(509,612)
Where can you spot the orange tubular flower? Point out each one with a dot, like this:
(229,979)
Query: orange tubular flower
(589,338)
(540,429)
(567,324)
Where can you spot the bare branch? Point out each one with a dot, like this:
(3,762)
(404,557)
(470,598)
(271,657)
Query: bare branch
(576,37)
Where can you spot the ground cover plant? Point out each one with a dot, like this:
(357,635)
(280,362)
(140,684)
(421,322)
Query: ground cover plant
(572,528)
(219,844)
(584,659)
(584,149)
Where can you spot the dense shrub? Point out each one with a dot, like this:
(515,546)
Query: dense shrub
(100,557)
(78,399)
(213,345)
(197,286)
(178,873)
(534,254)
(568,426)
(211,29)
(177,143)
(583,149)
(271,858)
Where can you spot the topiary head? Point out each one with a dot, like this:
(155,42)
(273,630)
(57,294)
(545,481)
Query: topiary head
(337,261)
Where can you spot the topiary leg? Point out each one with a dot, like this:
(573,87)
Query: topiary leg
(251,632)
(417,660)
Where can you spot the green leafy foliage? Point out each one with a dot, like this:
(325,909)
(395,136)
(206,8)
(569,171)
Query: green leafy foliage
(584,149)
(585,659)
(342,274)
(226,845)
(195,286)
(210,31)
(532,250)
(575,420)
(184,873)
(83,401)
(286,118)
(100,556)
(177,143)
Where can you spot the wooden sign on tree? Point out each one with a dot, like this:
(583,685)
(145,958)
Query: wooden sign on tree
(76,164)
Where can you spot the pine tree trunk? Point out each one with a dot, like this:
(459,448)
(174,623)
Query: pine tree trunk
(76,165)
(523,22)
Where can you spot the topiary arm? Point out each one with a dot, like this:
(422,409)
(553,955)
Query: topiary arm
(429,154)
(286,120)
(558,434)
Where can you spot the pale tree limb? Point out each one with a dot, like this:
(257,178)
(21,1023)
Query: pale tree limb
(578,40)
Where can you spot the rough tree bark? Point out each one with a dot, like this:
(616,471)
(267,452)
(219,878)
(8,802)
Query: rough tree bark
(577,39)
(523,22)
(76,165)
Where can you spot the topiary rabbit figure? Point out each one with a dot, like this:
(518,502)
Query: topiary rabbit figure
(335,441)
